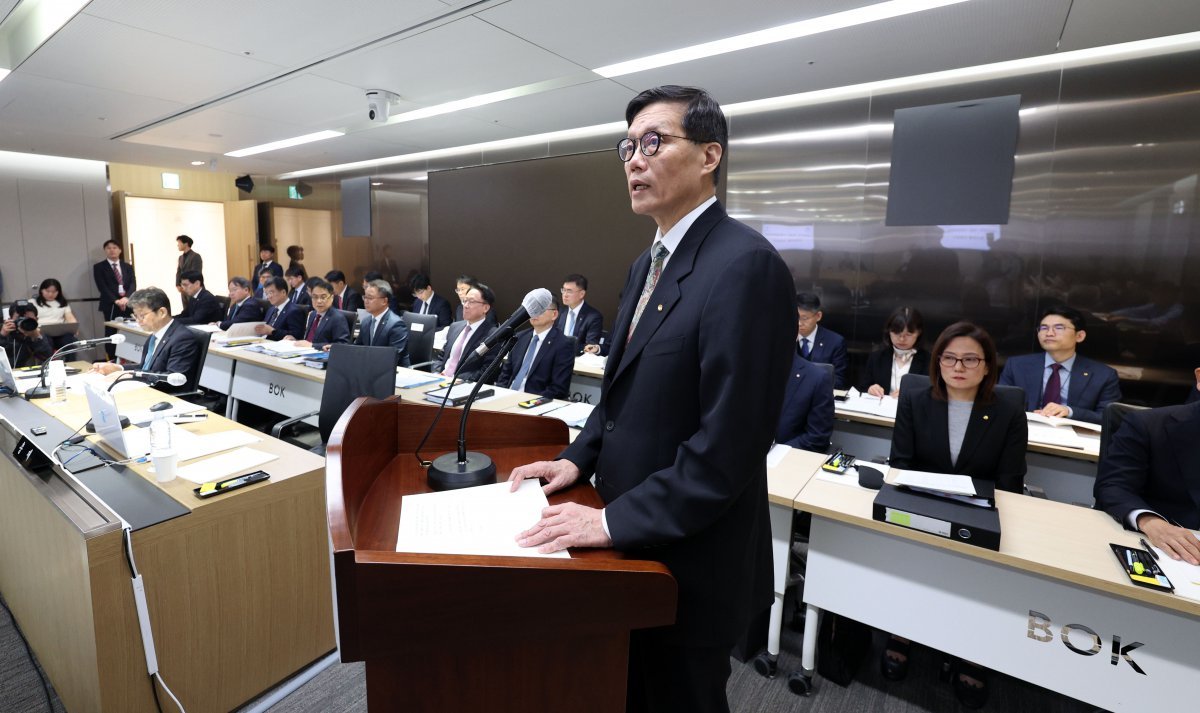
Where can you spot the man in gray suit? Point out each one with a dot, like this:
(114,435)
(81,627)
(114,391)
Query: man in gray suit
(384,327)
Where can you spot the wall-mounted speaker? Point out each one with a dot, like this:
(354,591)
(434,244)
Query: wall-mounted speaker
(244,183)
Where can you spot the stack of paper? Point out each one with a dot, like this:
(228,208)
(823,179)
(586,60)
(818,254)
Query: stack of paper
(1185,577)
(484,520)
(1061,422)
(878,406)
(946,485)
(574,415)
(1062,436)
(412,380)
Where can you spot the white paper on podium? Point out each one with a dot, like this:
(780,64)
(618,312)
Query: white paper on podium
(484,520)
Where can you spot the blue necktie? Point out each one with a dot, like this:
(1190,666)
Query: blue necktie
(519,382)
(570,324)
(805,347)
(149,353)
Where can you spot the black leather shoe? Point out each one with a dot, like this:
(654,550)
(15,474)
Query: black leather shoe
(894,669)
(973,697)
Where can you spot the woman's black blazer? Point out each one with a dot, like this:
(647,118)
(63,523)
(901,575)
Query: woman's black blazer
(879,368)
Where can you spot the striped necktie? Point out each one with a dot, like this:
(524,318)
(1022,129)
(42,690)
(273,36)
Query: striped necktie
(656,268)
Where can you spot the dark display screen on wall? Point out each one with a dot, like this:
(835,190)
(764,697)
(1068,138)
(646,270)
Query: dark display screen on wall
(952,164)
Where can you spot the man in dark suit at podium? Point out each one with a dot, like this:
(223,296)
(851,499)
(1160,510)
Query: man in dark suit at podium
(818,344)
(1149,478)
(678,442)
(1061,381)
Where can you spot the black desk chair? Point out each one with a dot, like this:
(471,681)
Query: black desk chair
(351,321)
(223,300)
(421,330)
(352,371)
(827,368)
(1112,418)
(192,392)
(1012,394)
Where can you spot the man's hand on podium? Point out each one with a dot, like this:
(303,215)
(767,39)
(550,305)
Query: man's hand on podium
(561,526)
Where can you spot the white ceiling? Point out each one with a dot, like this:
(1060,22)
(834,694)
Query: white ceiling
(162,82)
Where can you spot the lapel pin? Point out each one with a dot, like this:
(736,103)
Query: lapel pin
(1085,373)
(985,417)
(660,308)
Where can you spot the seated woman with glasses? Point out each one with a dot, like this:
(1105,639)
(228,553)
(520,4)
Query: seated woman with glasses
(958,425)
(900,354)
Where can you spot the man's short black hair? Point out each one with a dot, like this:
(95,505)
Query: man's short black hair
(268,248)
(1072,315)
(185,240)
(242,283)
(335,276)
(114,242)
(151,298)
(579,280)
(703,120)
(265,271)
(808,302)
(467,280)
(418,282)
(278,283)
(294,272)
(372,275)
(316,282)
(192,276)
(486,293)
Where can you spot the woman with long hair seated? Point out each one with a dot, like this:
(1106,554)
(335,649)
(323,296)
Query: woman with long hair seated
(959,425)
(54,308)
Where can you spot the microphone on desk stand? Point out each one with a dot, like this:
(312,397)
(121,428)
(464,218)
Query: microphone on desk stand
(42,391)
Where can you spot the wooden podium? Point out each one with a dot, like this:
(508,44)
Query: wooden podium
(470,633)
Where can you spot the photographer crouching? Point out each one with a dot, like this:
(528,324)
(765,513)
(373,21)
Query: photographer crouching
(21,337)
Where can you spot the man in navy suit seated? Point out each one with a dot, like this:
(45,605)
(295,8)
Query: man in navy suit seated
(325,325)
(807,418)
(284,318)
(1149,478)
(242,305)
(545,368)
(820,346)
(580,319)
(171,348)
(384,328)
(425,301)
(200,307)
(1061,382)
(297,290)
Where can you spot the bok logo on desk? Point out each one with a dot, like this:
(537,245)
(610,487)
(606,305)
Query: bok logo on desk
(1039,630)
(276,390)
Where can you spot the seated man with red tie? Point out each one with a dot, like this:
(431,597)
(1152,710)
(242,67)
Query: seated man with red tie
(1061,382)
(325,325)
(542,360)
(383,328)
(344,296)
(243,307)
(284,318)
(171,348)
(467,334)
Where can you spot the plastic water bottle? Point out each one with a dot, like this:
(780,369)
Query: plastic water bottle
(57,380)
(160,435)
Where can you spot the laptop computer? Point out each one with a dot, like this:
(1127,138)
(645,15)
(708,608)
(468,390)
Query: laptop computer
(131,443)
(58,330)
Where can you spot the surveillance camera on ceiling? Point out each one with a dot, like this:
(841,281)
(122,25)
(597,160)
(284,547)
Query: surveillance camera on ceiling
(379,104)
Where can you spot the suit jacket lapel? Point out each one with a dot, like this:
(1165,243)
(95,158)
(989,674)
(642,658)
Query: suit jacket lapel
(633,290)
(1081,379)
(666,292)
(939,432)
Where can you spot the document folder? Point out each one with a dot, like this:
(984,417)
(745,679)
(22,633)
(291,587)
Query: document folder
(938,516)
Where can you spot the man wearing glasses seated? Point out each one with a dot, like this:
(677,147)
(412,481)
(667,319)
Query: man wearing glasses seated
(1062,382)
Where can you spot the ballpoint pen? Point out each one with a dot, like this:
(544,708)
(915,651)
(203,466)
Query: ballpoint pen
(1148,547)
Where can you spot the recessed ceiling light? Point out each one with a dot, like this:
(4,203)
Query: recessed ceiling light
(376,183)
(285,143)
(771,35)
(199,163)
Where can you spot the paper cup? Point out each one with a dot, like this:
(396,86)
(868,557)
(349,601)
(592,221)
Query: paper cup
(163,465)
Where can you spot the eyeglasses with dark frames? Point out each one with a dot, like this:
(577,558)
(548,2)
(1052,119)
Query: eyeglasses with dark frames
(650,142)
(969,361)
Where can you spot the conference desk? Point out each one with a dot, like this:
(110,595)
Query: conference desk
(238,586)
(1052,606)
(1064,474)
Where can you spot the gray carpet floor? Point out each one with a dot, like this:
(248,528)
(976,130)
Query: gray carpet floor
(342,687)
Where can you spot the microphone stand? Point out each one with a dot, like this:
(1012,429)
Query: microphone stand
(466,469)
(41,391)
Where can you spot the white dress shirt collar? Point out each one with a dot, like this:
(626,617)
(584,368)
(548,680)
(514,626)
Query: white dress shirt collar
(675,235)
